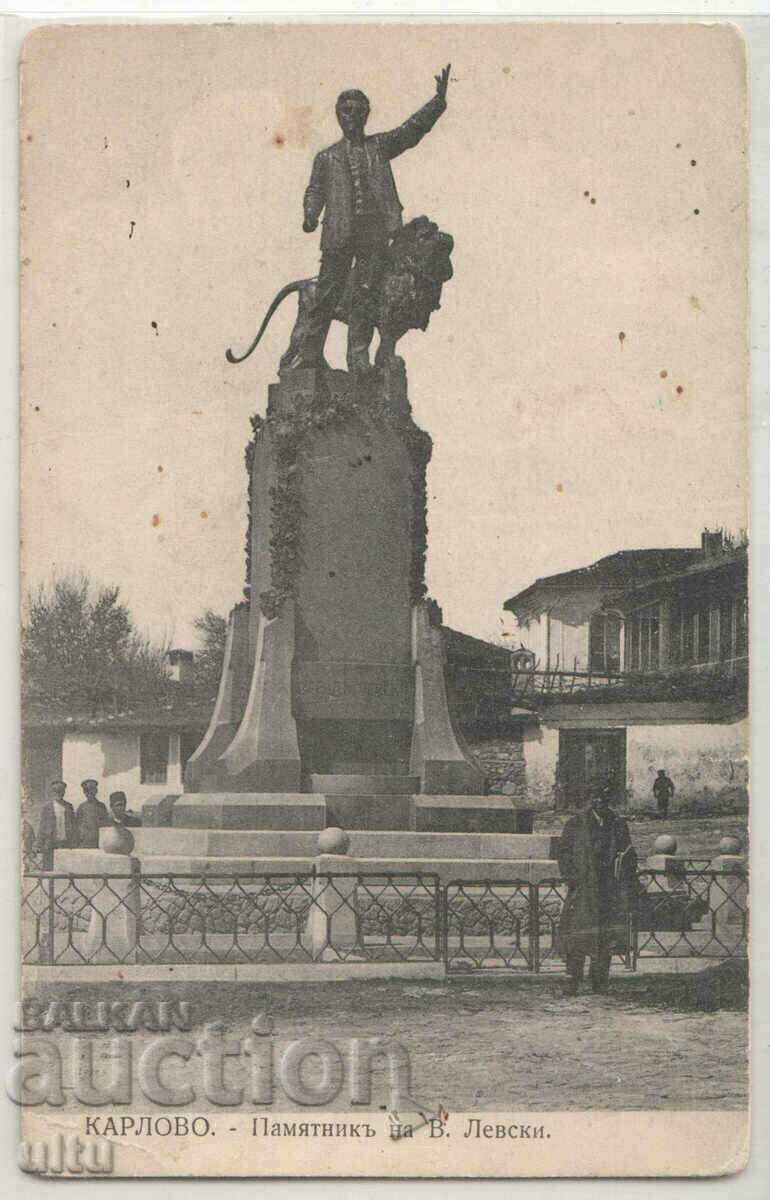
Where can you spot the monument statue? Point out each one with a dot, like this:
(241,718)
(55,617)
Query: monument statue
(333,706)
(374,272)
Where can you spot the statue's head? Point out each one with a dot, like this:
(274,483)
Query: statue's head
(352,109)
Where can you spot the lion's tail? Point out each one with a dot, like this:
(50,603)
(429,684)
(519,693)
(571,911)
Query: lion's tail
(284,292)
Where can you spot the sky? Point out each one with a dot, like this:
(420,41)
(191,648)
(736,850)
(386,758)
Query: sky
(162,177)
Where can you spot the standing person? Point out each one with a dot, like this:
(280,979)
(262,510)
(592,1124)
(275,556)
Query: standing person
(663,791)
(58,827)
(120,813)
(599,863)
(92,815)
(352,184)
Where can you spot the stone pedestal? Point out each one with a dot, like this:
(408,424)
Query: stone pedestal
(114,904)
(334,677)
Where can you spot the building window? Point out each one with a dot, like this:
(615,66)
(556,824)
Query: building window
(604,635)
(687,655)
(153,754)
(643,639)
(741,626)
(703,654)
(725,629)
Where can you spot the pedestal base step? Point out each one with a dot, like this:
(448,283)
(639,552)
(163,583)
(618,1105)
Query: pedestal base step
(351,809)
(213,844)
(365,785)
(448,869)
(237,810)
(471,814)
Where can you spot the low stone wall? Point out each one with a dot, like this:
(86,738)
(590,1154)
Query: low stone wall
(502,759)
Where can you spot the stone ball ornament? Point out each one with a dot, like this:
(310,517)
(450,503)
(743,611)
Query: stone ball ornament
(665,843)
(333,841)
(730,844)
(116,839)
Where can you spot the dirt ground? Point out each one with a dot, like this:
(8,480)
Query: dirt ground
(658,1040)
(697,837)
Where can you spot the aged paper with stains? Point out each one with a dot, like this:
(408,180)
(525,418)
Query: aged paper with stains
(337,766)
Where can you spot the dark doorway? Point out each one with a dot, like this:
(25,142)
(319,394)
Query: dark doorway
(590,756)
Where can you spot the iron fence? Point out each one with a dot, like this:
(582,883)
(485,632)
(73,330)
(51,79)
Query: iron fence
(697,913)
(229,918)
(508,924)
(472,925)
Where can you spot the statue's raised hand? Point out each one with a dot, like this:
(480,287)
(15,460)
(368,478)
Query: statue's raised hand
(442,81)
(309,224)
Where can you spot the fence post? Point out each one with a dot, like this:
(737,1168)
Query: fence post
(534,927)
(729,923)
(49,957)
(438,917)
(630,956)
(443,893)
(112,934)
(332,920)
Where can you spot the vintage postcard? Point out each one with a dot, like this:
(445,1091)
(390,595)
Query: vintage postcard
(384,600)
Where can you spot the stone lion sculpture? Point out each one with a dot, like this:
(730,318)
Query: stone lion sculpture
(417,266)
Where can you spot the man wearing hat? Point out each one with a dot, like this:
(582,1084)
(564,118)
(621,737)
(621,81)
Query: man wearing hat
(92,816)
(57,829)
(352,184)
(598,863)
(120,812)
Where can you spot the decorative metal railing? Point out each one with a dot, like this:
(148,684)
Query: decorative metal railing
(221,917)
(229,918)
(506,924)
(691,913)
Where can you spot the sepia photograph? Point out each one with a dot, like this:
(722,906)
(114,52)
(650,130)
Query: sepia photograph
(384,599)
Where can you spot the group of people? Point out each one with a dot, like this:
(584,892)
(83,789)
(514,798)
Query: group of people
(63,827)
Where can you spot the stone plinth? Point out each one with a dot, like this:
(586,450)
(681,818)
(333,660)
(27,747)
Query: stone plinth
(391,845)
(249,810)
(333,670)
(476,814)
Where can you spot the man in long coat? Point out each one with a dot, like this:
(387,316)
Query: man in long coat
(57,829)
(352,184)
(599,864)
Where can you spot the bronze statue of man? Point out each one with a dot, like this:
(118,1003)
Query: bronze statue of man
(352,184)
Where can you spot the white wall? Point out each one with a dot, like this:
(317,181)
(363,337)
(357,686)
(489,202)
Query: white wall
(703,761)
(112,758)
(570,619)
